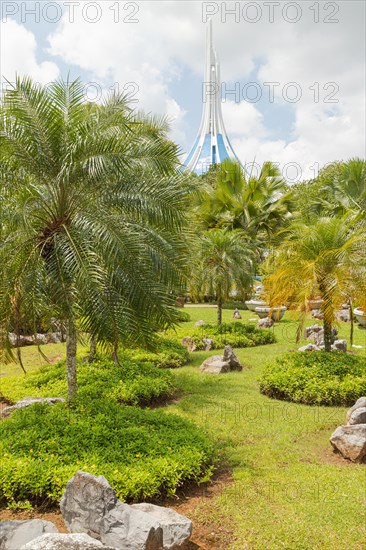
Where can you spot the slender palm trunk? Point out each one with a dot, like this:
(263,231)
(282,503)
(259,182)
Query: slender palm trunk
(71,360)
(92,349)
(327,336)
(219,311)
(352,323)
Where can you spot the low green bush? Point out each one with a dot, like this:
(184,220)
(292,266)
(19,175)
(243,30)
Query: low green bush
(236,334)
(143,453)
(183,316)
(171,354)
(316,378)
(132,383)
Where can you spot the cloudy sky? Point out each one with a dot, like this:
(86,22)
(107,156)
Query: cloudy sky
(293,73)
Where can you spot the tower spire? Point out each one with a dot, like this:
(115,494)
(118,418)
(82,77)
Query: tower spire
(212,145)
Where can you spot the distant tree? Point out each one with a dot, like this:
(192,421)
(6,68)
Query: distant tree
(224,262)
(325,259)
(258,205)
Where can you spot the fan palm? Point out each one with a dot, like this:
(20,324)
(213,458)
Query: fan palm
(325,259)
(224,262)
(94,222)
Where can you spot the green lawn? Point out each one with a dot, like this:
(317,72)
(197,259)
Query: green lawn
(288,490)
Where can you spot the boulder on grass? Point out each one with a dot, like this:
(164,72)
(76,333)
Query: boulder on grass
(267,322)
(177,529)
(344,315)
(317,314)
(208,344)
(361,402)
(309,347)
(358,416)
(89,505)
(199,323)
(189,343)
(61,541)
(350,442)
(340,345)
(15,534)
(236,314)
(219,364)
(28,401)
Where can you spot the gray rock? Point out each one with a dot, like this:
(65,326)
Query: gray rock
(189,343)
(344,315)
(89,505)
(340,345)
(236,314)
(199,323)
(317,314)
(61,541)
(309,347)
(309,331)
(361,402)
(28,401)
(20,341)
(350,442)
(14,534)
(39,339)
(358,416)
(232,359)
(267,322)
(208,343)
(53,337)
(219,364)
(177,529)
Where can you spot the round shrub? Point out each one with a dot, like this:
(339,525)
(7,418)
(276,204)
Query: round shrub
(236,334)
(315,378)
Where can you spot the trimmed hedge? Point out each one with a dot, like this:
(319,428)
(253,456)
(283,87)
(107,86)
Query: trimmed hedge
(316,378)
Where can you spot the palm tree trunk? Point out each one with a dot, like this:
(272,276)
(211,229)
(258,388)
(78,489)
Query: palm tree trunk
(352,323)
(71,360)
(327,336)
(92,349)
(219,311)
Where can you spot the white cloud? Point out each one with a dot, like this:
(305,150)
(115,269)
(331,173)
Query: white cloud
(169,37)
(19,55)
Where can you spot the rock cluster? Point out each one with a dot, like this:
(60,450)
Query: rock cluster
(191,344)
(97,519)
(315,334)
(219,364)
(350,440)
(35,340)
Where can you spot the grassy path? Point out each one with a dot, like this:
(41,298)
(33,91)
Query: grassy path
(288,489)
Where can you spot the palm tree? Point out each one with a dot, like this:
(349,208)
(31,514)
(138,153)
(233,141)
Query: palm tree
(260,206)
(339,189)
(96,227)
(224,262)
(322,259)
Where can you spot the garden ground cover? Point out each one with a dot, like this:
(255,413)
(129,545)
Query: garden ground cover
(286,489)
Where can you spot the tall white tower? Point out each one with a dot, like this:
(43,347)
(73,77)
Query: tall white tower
(212,145)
